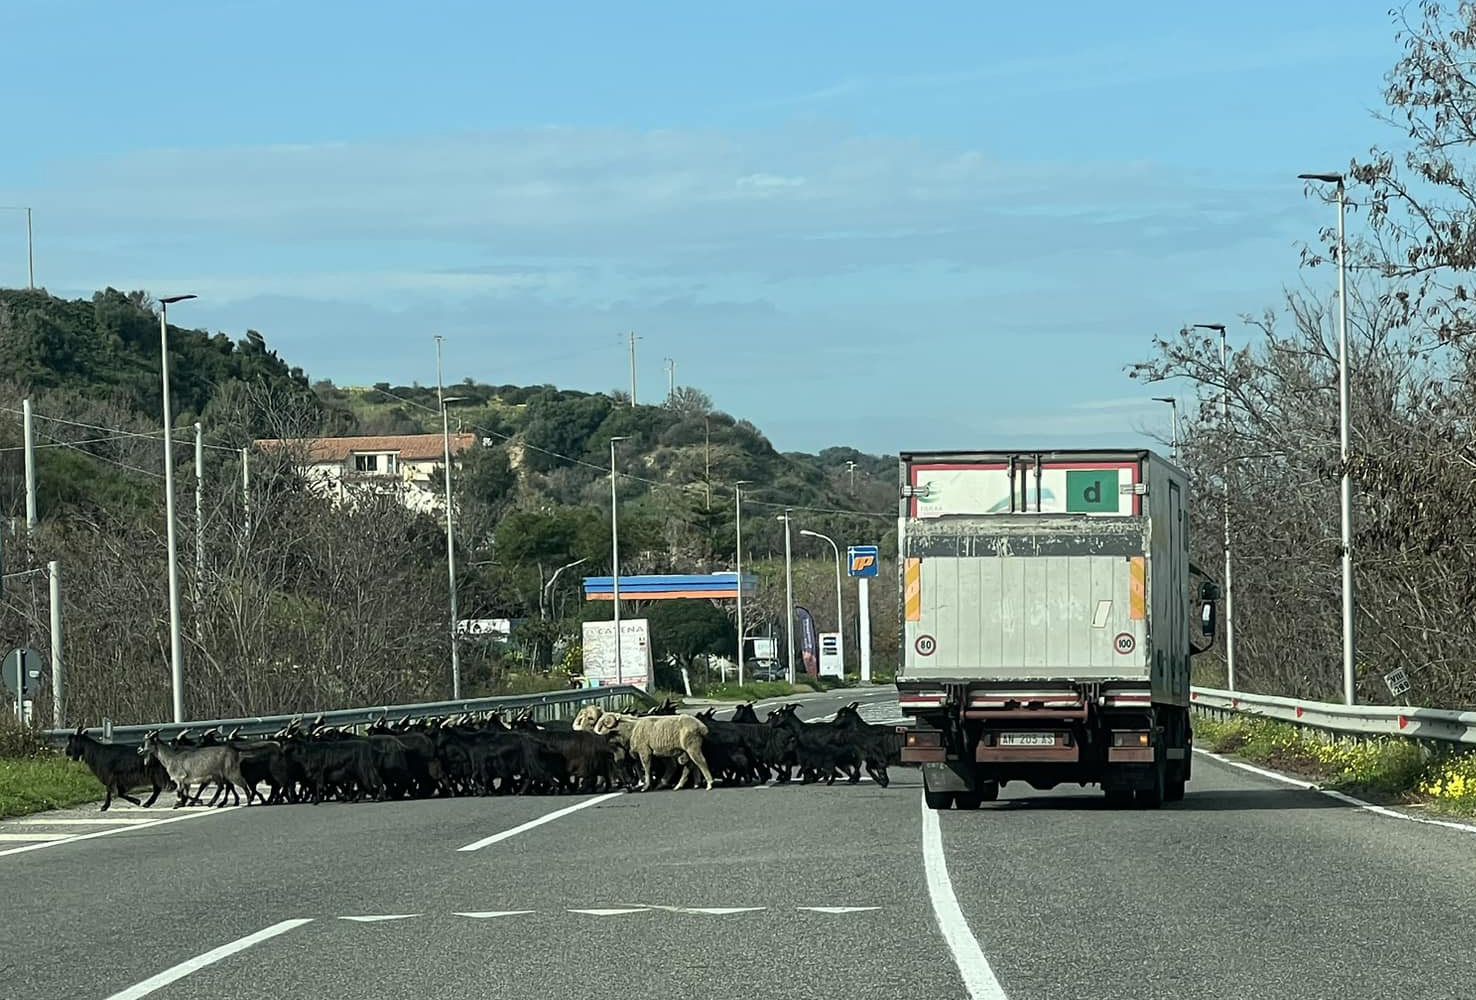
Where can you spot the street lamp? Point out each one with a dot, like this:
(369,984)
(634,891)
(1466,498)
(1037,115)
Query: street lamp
(615,560)
(176,646)
(1345,499)
(788,596)
(1174,439)
(738,561)
(30,256)
(1225,422)
(840,627)
(444,402)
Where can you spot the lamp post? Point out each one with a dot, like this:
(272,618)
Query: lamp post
(1345,492)
(615,560)
(840,627)
(1174,438)
(738,563)
(1225,426)
(444,402)
(788,597)
(176,646)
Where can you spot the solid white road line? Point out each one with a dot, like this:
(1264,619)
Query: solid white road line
(122,829)
(40,819)
(210,957)
(477,845)
(973,967)
(1340,796)
(30,836)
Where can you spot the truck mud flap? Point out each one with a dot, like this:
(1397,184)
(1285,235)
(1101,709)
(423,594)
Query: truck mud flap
(948,776)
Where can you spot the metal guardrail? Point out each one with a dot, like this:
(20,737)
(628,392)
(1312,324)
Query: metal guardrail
(1358,720)
(546,707)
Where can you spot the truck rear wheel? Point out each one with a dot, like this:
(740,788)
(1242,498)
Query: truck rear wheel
(1173,791)
(1152,797)
(984,791)
(938,800)
(1119,797)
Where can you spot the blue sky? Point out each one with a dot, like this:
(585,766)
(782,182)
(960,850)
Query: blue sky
(855,223)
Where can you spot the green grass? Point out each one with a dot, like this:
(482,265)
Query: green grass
(49,781)
(1383,769)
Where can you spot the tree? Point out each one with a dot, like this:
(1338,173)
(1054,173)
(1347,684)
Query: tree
(689,400)
(684,629)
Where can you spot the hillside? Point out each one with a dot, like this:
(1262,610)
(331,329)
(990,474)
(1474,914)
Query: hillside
(294,582)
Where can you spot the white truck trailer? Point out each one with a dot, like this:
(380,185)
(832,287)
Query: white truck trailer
(1046,616)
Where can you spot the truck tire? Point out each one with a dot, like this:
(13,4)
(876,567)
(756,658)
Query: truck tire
(1119,797)
(937,800)
(985,791)
(1173,791)
(1152,796)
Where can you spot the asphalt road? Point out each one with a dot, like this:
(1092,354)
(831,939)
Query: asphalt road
(1246,889)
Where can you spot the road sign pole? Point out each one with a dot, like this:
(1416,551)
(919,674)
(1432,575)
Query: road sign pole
(864,625)
(20,687)
(53,573)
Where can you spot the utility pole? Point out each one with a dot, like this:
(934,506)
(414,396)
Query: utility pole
(176,645)
(633,339)
(851,468)
(670,381)
(707,459)
(30,255)
(245,495)
(199,529)
(29,430)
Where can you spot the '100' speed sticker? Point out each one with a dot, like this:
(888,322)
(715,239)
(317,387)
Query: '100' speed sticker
(1124,643)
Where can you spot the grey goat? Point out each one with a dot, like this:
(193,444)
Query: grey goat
(190,765)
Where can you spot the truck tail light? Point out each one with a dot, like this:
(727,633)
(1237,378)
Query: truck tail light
(1130,738)
(925,738)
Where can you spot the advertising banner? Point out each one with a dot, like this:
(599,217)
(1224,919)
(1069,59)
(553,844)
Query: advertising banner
(635,653)
(809,642)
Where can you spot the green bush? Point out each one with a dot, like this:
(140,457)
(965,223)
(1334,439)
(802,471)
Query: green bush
(36,783)
(1385,768)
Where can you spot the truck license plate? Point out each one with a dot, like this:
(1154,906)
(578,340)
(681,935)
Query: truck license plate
(1027,739)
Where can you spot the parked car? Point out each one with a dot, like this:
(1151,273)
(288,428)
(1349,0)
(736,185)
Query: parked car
(765,669)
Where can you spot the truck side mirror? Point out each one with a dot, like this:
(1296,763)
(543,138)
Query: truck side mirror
(1209,593)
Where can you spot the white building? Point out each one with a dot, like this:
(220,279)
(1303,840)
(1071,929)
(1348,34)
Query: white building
(401,464)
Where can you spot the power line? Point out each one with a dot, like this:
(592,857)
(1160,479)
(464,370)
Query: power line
(102,458)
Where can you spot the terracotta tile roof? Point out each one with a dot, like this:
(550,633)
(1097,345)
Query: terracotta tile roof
(409,447)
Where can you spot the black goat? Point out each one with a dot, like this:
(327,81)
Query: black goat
(118,768)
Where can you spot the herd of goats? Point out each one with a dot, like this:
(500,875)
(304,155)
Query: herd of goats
(488,754)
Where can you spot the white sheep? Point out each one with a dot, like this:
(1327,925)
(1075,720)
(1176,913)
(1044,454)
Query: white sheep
(650,736)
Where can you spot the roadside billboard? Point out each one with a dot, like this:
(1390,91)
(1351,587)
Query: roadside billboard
(635,653)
